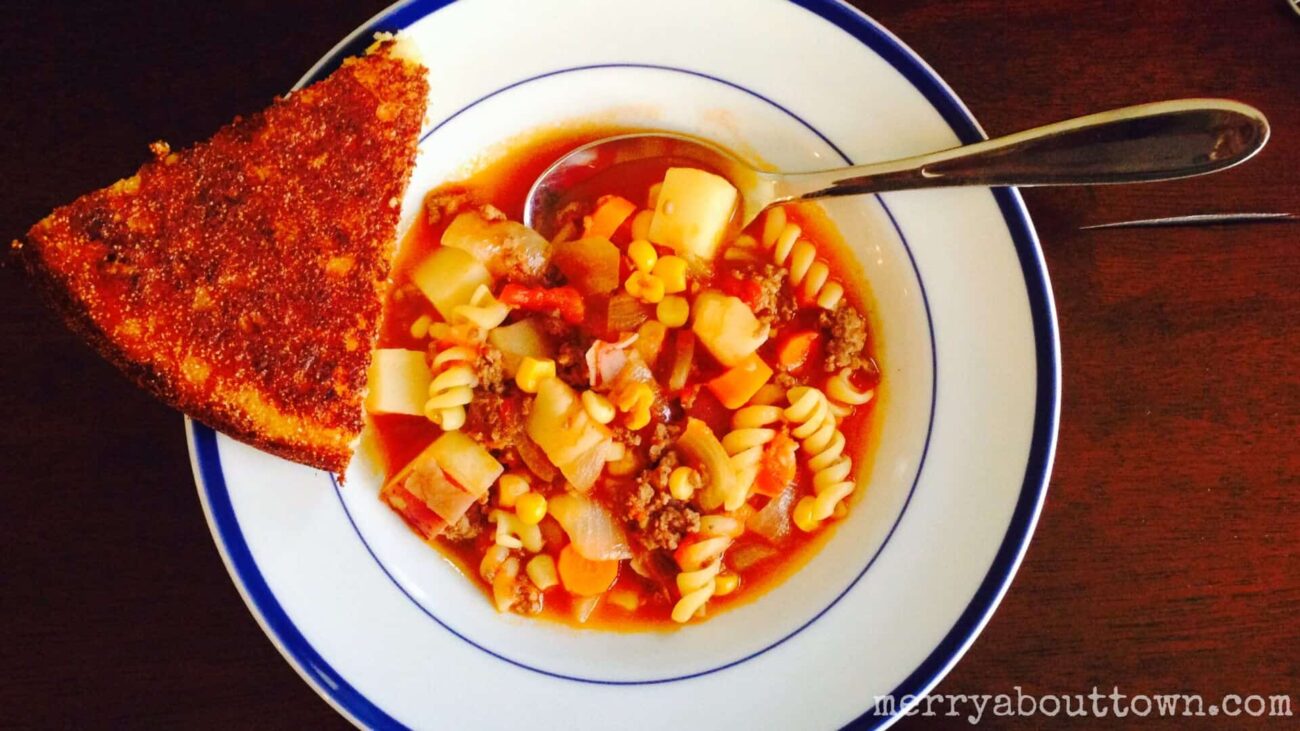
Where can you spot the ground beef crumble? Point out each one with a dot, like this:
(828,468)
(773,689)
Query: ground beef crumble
(664,436)
(490,370)
(786,380)
(528,598)
(444,203)
(845,335)
(774,299)
(495,421)
(571,359)
(656,520)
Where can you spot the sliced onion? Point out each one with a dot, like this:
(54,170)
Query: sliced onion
(703,449)
(595,534)
(535,459)
(683,356)
(586,468)
(745,556)
(773,521)
(583,606)
(626,313)
(606,360)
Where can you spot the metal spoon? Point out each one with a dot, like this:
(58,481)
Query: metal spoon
(1143,143)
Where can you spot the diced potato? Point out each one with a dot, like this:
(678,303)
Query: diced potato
(449,277)
(559,424)
(727,327)
(466,462)
(571,439)
(546,420)
(427,481)
(692,212)
(590,265)
(523,338)
(399,382)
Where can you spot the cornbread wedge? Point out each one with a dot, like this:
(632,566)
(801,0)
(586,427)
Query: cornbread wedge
(240,280)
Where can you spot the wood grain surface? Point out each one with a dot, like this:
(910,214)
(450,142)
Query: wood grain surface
(1166,557)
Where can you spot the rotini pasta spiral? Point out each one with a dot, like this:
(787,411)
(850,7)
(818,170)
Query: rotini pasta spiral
(701,562)
(483,311)
(800,258)
(750,432)
(843,395)
(452,386)
(823,443)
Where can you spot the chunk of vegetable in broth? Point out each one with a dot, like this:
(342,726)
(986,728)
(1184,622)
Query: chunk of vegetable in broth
(448,277)
(447,500)
(692,212)
(398,382)
(523,338)
(571,439)
(508,249)
(727,327)
(466,461)
(590,265)
(594,532)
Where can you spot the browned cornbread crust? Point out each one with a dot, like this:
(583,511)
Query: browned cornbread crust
(240,280)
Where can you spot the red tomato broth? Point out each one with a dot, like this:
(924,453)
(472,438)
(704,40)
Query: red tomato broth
(504,181)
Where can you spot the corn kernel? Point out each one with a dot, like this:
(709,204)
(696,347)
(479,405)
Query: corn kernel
(645,287)
(840,511)
(803,515)
(638,419)
(532,371)
(673,311)
(643,255)
(531,508)
(652,291)
(682,483)
(634,283)
(509,488)
(725,584)
(641,224)
(420,328)
(541,571)
(598,407)
(638,395)
(671,270)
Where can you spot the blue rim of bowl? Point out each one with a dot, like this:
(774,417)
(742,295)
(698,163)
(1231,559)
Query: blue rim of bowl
(308,662)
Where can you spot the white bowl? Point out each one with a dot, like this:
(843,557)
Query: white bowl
(390,634)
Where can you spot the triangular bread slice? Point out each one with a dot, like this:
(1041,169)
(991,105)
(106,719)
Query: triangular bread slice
(240,280)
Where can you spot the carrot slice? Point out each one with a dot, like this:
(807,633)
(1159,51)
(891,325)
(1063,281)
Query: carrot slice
(794,351)
(777,466)
(585,577)
(735,386)
(611,211)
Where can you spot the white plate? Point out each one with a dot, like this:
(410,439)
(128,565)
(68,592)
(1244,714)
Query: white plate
(390,635)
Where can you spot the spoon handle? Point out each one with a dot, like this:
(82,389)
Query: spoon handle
(1147,142)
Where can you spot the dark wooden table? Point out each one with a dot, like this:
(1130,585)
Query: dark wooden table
(1166,559)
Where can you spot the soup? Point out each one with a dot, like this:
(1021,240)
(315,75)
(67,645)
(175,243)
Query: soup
(632,425)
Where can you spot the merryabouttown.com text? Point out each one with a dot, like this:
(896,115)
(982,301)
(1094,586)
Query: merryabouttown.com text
(1113,705)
